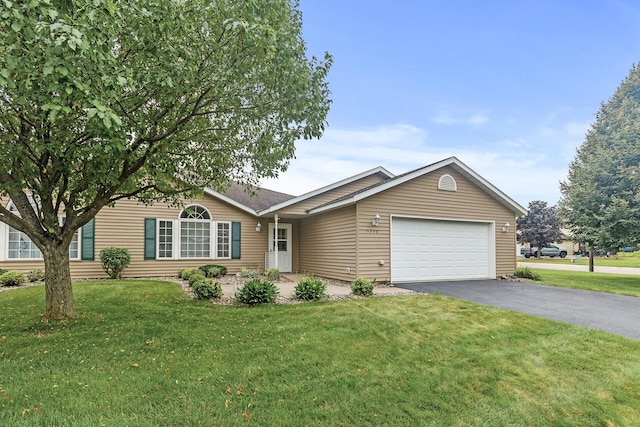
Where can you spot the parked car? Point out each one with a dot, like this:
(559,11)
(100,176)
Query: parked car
(549,250)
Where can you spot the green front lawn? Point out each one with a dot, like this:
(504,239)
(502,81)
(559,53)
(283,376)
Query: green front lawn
(142,354)
(601,282)
(612,261)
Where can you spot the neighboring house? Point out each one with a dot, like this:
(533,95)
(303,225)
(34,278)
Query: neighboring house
(439,222)
(567,243)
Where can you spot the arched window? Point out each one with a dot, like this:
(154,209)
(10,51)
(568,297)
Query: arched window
(447,183)
(195,232)
(195,212)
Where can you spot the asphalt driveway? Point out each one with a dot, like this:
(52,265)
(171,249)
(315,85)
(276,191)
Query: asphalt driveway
(612,313)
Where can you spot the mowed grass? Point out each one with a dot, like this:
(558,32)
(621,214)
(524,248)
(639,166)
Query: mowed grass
(601,282)
(632,261)
(142,354)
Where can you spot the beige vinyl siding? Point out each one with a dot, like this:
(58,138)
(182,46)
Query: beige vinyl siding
(328,244)
(302,207)
(421,198)
(123,226)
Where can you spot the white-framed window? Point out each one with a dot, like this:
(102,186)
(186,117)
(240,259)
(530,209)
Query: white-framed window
(165,239)
(193,235)
(223,241)
(21,247)
(195,232)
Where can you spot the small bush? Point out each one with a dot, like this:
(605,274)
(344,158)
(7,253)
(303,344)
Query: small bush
(310,288)
(195,277)
(527,273)
(35,275)
(273,274)
(247,273)
(12,278)
(362,287)
(257,291)
(213,270)
(114,260)
(2,271)
(185,273)
(205,289)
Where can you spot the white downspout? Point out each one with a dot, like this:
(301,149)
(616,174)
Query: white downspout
(275,239)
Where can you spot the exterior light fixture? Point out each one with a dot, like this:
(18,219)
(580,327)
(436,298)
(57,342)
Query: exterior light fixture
(376,220)
(505,228)
(258,227)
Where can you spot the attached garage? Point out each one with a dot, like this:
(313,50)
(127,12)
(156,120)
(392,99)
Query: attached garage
(433,249)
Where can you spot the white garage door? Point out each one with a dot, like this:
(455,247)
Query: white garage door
(424,249)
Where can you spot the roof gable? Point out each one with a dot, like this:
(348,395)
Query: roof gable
(397,180)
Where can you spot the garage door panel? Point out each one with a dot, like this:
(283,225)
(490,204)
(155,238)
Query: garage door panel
(439,250)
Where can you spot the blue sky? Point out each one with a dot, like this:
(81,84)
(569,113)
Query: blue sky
(508,87)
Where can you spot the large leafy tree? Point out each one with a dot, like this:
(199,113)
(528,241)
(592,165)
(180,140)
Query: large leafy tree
(601,196)
(540,226)
(148,99)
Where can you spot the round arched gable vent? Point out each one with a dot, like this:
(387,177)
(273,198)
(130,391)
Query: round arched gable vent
(447,183)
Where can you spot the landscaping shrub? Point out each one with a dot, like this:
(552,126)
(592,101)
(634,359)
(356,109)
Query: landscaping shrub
(185,273)
(114,260)
(213,270)
(35,275)
(195,277)
(362,287)
(273,274)
(205,289)
(247,273)
(12,278)
(310,288)
(221,268)
(2,271)
(527,273)
(257,291)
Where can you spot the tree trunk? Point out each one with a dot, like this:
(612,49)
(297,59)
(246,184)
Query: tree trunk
(590,260)
(57,282)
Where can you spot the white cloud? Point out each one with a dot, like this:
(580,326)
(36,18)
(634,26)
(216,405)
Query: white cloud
(477,119)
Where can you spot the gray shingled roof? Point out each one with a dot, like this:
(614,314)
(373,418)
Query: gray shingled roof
(262,198)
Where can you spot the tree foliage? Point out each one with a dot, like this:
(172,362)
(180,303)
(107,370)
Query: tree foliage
(601,197)
(540,226)
(148,99)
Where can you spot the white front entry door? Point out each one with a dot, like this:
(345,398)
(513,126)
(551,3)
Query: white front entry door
(281,239)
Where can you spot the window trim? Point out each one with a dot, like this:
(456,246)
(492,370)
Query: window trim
(177,225)
(229,239)
(174,245)
(211,223)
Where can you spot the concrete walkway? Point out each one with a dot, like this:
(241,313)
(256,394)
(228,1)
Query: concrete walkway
(584,266)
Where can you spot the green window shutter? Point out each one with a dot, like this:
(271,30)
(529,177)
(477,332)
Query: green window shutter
(235,240)
(88,238)
(149,238)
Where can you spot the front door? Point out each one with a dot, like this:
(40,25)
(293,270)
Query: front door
(281,240)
